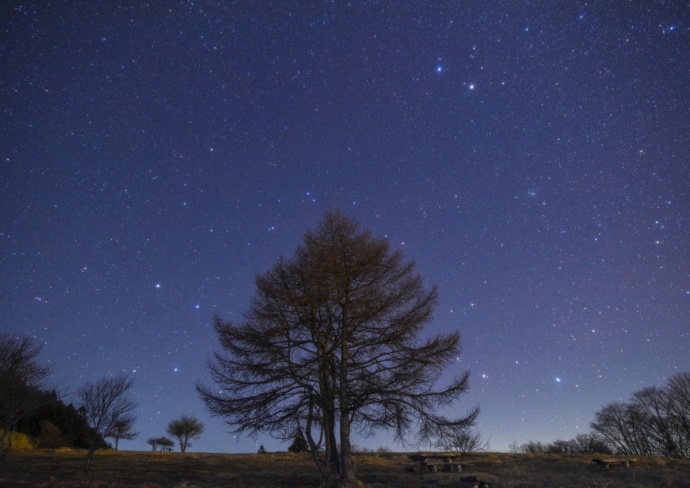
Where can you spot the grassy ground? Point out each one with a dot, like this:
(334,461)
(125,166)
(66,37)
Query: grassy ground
(47,469)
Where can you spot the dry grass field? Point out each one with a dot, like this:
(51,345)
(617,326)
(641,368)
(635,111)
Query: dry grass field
(47,469)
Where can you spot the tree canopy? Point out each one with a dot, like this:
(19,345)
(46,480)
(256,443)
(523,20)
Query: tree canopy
(331,341)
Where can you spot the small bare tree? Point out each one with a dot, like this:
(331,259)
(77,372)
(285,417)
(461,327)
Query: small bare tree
(104,403)
(184,429)
(166,445)
(463,440)
(153,442)
(123,428)
(21,378)
(160,443)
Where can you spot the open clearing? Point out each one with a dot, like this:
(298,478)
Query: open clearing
(62,468)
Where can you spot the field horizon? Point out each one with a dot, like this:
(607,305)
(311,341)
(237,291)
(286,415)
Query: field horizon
(146,469)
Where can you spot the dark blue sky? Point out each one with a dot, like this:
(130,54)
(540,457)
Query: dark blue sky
(531,157)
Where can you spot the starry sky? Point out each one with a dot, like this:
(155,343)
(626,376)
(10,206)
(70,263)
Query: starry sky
(531,157)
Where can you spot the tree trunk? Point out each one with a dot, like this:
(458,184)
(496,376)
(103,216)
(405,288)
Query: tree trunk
(346,471)
(89,457)
(331,453)
(8,431)
(93,445)
(327,394)
(346,467)
(6,435)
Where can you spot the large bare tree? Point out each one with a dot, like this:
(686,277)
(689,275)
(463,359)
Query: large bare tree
(21,379)
(332,341)
(656,421)
(105,402)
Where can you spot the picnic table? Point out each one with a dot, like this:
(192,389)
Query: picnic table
(609,463)
(437,462)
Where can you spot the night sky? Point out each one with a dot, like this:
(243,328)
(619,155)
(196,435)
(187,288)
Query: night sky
(531,157)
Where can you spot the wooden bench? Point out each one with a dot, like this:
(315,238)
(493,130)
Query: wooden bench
(441,463)
(609,463)
(436,465)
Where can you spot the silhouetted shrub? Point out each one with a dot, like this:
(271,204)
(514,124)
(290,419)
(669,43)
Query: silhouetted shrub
(74,431)
(299,444)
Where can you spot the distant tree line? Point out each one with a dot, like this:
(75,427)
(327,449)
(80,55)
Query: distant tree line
(581,444)
(655,421)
